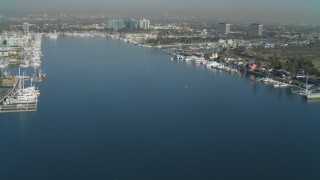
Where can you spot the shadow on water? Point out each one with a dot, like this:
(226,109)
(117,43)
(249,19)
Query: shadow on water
(312,101)
(23,118)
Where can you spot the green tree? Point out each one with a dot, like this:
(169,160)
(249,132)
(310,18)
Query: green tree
(292,66)
(306,64)
(275,62)
(258,62)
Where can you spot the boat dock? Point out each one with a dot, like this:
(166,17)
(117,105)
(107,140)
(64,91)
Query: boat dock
(6,92)
(19,108)
(22,77)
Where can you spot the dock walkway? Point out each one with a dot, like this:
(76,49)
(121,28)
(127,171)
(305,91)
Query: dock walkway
(19,108)
(5,91)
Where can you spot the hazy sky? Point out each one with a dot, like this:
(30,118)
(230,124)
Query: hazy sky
(303,11)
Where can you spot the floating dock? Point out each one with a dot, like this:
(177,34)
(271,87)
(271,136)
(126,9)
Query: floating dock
(22,107)
(32,107)
(7,91)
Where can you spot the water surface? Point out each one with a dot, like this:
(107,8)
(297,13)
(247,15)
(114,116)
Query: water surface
(110,110)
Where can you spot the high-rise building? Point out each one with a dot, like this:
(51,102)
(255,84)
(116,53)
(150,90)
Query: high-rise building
(116,24)
(255,29)
(131,24)
(224,28)
(144,24)
(25,27)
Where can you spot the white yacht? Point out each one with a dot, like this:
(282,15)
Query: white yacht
(22,98)
(31,90)
(35,63)
(220,66)
(188,58)
(53,35)
(23,95)
(280,85)
(180,57)
(214,64)
(25,64)
(198,60)
(269,80)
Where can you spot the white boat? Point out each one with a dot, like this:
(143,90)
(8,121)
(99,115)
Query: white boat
(25,64)
(283,85)
(214,64)
(53,35)
(269,80)
(180,57)
(26,95)
(35,63)
(31,90)
(22,98)
(19,101)
(220,66)
(23,95)
(188,58)
(280,84)
(198,60)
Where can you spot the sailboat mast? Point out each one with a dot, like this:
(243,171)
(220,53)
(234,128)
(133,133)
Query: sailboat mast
(23,80)
(307,83)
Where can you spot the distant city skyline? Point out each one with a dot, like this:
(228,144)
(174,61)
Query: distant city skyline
(286,11)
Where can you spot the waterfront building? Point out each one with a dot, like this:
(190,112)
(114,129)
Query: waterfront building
(26,27)
(8,51)
(224,28)
(131,24)
(144,24)
(255,29)
(17,41)
(116,24)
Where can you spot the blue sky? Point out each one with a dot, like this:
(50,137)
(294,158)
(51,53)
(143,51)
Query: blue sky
(307,11)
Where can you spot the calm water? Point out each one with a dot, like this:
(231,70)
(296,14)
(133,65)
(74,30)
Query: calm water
(110,110)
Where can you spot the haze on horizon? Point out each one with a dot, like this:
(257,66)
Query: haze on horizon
(294,11)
